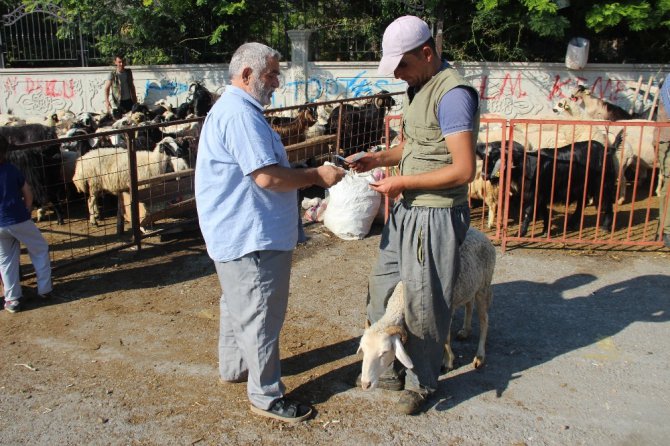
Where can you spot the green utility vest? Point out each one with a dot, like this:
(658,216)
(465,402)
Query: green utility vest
(425,149)
(117,88)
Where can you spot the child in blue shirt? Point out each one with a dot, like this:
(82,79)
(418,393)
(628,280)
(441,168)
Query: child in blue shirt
(16,227)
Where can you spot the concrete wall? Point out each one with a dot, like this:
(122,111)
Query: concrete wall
(513,90)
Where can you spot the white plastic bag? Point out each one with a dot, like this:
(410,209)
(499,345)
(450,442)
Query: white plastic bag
(577,54)
(352,206)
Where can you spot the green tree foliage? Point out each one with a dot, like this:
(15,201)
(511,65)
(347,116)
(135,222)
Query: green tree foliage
(192,31)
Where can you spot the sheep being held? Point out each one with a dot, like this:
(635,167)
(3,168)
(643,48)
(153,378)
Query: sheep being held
(383,341)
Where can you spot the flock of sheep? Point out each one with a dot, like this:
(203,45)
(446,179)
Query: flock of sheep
(96,161)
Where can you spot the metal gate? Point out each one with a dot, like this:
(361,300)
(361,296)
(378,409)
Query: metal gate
(40,34)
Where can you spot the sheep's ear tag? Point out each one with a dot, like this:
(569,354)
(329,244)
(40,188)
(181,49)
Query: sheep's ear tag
(401,353)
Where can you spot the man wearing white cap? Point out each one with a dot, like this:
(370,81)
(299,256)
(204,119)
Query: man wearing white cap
(664,159)
(420,242)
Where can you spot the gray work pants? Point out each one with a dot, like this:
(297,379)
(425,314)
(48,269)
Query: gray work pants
(11,238)
(420,246)
(253,306)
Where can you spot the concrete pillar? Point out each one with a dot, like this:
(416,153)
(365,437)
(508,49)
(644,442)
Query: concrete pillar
(300,56)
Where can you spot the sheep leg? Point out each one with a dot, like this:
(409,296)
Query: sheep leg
(492,213)
(526,220)
(93,210)
(448,358)
(483,313)
(41,213)
(464,332)
(575,219)
(58,209)
(621,180)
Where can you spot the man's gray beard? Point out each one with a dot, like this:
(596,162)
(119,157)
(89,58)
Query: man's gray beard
(262,95)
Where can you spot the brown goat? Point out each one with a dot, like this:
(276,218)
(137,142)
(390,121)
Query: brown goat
(597,108)
(292,130)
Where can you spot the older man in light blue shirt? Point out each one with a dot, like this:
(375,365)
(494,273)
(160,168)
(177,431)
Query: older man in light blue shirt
(247,208)
(236,141)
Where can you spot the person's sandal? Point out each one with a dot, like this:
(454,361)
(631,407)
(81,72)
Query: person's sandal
(285,410)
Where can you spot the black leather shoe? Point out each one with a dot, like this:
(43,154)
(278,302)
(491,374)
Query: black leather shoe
(285,410)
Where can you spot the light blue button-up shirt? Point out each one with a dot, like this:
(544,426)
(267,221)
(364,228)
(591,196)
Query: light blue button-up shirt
(237,216)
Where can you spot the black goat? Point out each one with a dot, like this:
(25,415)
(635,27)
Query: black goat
(573,172)
(201,99)
(183,110)
(41,166)
(493,168)
(80,146)
(362,126)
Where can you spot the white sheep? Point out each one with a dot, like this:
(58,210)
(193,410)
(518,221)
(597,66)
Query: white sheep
(599,108)
(106,170)
(382,342)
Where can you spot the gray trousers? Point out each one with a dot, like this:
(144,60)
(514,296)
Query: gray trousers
(11,238)
(420,246)
(664,200)
(253,306)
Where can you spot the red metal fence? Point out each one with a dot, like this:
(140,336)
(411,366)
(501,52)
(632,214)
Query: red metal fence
(537,170)
(577,193)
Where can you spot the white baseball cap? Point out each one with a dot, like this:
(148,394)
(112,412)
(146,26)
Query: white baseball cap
(401,36)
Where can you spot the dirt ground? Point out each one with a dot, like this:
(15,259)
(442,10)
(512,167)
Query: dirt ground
(577,354)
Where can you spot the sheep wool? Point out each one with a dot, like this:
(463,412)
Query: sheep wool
(381,343)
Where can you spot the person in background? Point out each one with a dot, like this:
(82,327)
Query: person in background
(421,239)
(246,197)
(120,84)
(16,227)
(664,161)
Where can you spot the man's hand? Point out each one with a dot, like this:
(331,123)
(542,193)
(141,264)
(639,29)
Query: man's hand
(361,162)
(329,175)
(389,186)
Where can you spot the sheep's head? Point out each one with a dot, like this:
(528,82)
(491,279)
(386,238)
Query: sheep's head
(137,117)
(384,102)
(379,349)
(580,93)
(309,113)
(563,106)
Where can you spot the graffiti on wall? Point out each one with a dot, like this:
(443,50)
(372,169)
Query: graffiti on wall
(511,93)
(40,96)
(324,88)
(164,88)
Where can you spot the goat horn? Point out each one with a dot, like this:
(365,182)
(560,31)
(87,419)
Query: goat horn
(397,330)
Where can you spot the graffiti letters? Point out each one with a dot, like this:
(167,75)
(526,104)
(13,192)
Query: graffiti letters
(51,88)
(514,86)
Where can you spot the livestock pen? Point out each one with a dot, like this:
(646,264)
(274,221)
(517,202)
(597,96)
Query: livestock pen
(165,203)
(604,216)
